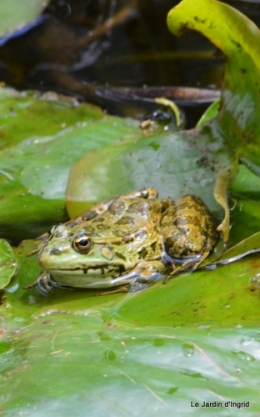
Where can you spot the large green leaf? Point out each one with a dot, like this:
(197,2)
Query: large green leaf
(16,14)
(237,37)
(171,162)
(81,365)
(41,138)
(73,349)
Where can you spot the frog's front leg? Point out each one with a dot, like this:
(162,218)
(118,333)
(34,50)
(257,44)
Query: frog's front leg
(138,279)
(44,283)
(142,275)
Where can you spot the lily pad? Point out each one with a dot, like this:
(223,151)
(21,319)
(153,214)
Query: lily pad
(80,365)
(132,346)
(171,163)
(159,348)
(42,136)
(245,247)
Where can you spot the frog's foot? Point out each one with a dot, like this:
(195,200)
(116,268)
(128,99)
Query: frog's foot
(138,286)
(134,287)
(195,261)
(190,264)
(174,272)
(44,284)
(197,264)
(144,274)
(148,271)
(141,276)
(116,290)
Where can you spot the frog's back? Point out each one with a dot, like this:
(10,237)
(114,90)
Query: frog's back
(123,216)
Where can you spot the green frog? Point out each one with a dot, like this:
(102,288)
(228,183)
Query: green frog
(127,243)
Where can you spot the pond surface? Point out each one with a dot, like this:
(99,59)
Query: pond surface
(87,48)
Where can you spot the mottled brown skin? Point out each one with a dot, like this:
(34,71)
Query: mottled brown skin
(191,230)
(131,240)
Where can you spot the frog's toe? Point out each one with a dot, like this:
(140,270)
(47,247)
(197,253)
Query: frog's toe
(43,284)
(138,286)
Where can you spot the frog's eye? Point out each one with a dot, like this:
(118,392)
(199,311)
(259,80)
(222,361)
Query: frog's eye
(82,243)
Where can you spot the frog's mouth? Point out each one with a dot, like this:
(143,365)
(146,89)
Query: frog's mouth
(94,277)
(94,269)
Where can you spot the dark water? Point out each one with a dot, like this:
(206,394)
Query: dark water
(59,53)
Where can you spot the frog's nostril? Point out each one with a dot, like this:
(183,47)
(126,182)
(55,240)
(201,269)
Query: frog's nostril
(55,251)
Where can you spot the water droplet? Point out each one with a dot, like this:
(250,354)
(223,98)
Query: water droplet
(110,355)
(158,342)
(188,350)
(245,356)
(172,390)
(255,281)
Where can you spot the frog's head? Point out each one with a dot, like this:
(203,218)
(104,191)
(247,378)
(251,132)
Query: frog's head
(79,258)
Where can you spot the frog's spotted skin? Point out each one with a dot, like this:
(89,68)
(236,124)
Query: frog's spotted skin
(128,241)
